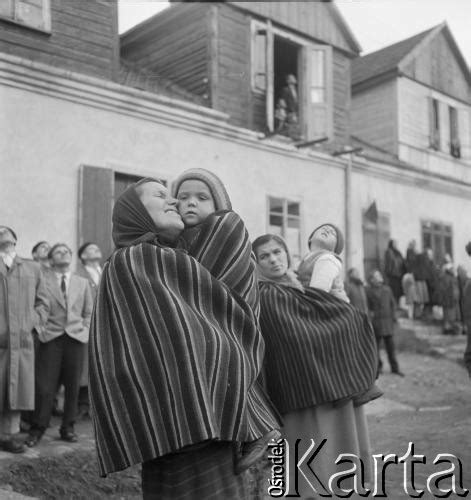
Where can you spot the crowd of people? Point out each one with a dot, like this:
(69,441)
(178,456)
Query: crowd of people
(45,312)
(203,348)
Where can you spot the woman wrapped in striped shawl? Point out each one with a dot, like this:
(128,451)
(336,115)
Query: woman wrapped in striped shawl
(173,357)
(320,353)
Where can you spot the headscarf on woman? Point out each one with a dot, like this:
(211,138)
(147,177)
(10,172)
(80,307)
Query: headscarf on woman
(173,352)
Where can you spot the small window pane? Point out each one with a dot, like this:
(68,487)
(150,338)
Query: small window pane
(293,208)
(317,96)
(317,68)
(276,220)
(427,240)
(276,205)
(275,230)
(293,222)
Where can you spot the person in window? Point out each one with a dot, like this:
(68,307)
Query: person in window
(280,116)
(289,95)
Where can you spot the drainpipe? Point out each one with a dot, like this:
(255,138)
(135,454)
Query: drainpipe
(349,151)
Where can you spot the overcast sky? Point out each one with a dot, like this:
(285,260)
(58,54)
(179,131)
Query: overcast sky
(375,23)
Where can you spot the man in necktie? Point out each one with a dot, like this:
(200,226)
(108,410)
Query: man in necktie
(23,306)
(63,344)
(90,268)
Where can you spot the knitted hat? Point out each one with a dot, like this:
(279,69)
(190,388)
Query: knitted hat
(83,247)
(38,244)
(215,186)
(340,239)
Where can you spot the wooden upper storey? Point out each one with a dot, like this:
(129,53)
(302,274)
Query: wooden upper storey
(76,35)
(236,57)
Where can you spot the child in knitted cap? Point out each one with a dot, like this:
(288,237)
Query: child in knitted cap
(217,238)
(322,268)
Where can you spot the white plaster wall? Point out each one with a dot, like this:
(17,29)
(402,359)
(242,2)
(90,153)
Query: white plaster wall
(44,140)
(407,205)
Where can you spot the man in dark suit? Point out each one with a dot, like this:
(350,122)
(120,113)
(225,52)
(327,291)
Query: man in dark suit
(62,344)
(89,268)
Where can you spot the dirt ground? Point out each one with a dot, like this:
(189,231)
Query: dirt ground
(429,407)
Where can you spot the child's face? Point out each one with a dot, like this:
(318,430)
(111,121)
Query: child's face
(195,202)
(326,236)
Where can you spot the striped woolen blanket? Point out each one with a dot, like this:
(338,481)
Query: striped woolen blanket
(319,349)
(222,245)
(173,355)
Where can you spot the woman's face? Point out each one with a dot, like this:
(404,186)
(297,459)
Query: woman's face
(272,259)
(162,208)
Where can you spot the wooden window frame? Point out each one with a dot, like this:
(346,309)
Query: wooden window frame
(46,17)
(304,86)
(435,132)
(285,217)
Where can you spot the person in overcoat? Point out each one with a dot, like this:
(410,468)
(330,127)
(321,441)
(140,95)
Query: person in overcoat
(382,308)
(394,268)
(355,289)
(24,306)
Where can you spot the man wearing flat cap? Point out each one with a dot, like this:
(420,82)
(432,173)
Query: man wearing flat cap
(23,306)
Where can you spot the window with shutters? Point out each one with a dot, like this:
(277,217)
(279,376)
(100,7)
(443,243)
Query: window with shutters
(284,219)
(32,13)
(292,80)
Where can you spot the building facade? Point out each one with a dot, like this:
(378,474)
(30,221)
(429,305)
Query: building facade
(85,114)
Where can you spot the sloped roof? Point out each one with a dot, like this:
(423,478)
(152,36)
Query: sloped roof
(133,75)
(384,60)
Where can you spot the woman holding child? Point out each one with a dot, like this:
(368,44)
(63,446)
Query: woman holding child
(320,361)
(175,352)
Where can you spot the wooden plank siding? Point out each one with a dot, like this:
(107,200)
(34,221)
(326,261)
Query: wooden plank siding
(312,19)
(83,38)
(233,66)
(437,67)
(174,44)
(374,116)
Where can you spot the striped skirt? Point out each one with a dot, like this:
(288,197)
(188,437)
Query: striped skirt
(200,473)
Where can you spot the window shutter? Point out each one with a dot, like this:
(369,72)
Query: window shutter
(464,131)
(318,98)
(6,8)
(259,57)
(96,204)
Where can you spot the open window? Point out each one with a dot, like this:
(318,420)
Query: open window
(291,83)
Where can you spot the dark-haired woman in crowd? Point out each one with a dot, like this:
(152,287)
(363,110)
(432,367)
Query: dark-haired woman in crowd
(320,355)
